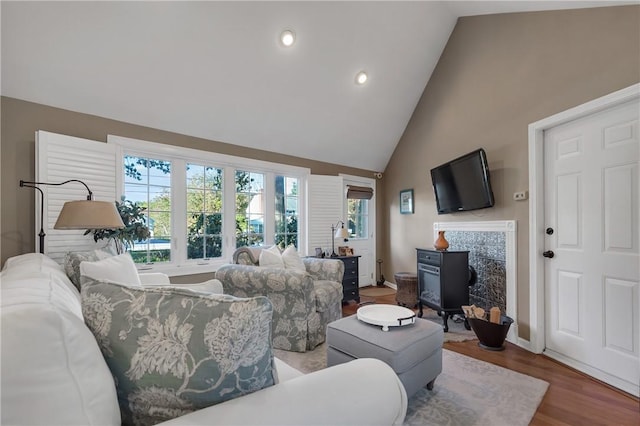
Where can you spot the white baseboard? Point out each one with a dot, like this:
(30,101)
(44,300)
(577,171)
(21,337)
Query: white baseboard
(386,284)
(524,344)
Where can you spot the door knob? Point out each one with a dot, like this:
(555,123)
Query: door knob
(549,231)
(548,254)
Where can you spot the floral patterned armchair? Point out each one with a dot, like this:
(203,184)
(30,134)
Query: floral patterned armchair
(304,302)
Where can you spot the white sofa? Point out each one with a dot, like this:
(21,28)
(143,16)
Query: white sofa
(53,372)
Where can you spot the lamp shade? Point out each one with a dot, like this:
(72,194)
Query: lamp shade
(342,232)
(88,214)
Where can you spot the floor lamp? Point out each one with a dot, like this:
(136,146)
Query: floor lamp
(78,214)
(336,232)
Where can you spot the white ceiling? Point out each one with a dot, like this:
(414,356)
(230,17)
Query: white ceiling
(215,70)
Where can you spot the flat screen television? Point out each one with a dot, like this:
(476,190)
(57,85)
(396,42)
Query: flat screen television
(463,184)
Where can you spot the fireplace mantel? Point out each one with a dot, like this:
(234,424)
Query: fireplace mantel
(508,229)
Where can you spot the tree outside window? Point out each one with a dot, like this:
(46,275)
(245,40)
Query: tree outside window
(250,212)
(358,218)
(287,211)
(204,212)
(148,183)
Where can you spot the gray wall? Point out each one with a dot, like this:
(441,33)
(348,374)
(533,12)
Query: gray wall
(498,74)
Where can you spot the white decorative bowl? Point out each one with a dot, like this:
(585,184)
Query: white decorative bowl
(386,316)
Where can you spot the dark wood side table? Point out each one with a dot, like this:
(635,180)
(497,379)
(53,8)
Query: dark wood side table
(350,279)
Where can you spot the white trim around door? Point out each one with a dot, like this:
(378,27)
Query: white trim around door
(536,201)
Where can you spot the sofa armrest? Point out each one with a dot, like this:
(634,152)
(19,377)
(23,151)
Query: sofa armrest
(324,269)
(364,391)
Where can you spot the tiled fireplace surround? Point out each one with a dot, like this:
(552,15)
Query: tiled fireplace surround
(492,253)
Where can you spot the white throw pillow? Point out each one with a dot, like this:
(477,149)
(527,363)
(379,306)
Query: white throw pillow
(271,258)
(117,269)
(292,259)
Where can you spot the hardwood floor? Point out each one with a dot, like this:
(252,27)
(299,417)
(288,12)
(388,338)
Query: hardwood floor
(573,398)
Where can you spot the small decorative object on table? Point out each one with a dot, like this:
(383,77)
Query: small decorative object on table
(441,244)
(342,250)
(386,316)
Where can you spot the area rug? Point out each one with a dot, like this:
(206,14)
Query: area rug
(467,392)
(457,332)
(376,291)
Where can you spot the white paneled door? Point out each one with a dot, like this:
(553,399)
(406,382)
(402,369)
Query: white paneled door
(592,267)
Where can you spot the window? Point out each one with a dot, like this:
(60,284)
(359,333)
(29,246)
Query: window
(286,211)
(357,218)
(204,211)
(203,205)
(147,182)
(250,212)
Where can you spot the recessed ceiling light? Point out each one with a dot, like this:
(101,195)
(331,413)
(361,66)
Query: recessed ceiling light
(287,38)
(361,77)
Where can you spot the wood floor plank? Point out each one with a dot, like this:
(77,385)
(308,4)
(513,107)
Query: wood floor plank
(573,398)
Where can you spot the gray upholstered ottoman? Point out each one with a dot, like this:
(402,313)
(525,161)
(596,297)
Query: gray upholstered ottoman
(413,351)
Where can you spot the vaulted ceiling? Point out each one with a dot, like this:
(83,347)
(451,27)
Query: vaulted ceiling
(217,70)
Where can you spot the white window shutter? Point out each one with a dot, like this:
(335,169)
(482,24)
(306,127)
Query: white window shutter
(60,158)
(325,208)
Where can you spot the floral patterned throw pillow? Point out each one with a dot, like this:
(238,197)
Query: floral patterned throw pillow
(73,259)
(172,351)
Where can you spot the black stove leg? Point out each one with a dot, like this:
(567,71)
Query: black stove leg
(445,318)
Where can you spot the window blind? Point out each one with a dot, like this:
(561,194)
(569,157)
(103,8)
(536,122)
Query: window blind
(359,192)
(60,158)
(325,208)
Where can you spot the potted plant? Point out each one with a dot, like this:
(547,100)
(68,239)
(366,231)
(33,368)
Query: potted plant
(135,228)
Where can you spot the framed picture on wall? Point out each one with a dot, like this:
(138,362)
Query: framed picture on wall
(406,201)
